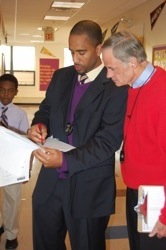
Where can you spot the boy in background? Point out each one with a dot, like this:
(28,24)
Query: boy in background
(14,118)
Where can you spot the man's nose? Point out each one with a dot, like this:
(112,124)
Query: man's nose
(75,58)
(109,73)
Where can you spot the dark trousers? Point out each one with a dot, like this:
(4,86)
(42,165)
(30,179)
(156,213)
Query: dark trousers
(52,219)
(139,241)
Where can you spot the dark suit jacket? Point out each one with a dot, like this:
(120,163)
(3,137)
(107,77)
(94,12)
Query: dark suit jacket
(97,135)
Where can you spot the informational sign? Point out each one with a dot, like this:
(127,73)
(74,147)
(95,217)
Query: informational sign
(48,34)
(47,68)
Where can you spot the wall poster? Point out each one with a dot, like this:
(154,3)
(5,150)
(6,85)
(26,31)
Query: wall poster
(47,68)
(159,56)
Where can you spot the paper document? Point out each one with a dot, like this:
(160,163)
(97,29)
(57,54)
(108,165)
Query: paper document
(15,155)
(56,144)
(150,201)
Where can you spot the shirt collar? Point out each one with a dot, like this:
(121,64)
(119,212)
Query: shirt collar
(93,73)
(144,77)
(1,105)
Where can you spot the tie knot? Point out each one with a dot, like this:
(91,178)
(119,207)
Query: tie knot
(4,109)
(83,78)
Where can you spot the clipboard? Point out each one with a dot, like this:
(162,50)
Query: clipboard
(151,200)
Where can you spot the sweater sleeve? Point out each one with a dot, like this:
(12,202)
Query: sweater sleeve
(162,216)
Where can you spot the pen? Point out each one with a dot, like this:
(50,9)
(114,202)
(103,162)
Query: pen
(40,128)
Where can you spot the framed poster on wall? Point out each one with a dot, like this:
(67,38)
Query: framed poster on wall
(159,56)
(47,68)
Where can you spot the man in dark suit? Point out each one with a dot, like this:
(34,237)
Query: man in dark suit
(75,190)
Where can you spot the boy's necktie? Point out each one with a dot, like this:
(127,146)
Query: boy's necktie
(4,120)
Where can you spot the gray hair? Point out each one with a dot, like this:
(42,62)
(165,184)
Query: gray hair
(125,45)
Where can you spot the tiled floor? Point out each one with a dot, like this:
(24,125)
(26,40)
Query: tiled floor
(116,236)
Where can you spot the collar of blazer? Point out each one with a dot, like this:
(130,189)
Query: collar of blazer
(95,89)
(97,86)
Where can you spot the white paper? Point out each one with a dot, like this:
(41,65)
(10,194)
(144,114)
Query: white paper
(15,154)
(7,178)
(155,202)
(56,144)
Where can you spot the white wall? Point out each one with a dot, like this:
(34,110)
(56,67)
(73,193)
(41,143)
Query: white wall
(140,23)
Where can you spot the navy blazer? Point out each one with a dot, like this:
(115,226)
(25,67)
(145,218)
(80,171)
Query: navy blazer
(97,135)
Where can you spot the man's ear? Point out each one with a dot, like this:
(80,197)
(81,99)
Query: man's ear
(98,49)
(133,61)
(16,92)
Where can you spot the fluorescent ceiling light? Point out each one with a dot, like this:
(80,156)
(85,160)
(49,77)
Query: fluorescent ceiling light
(36,35)
(58,18)
(74,5)
(24,34)
(36,41)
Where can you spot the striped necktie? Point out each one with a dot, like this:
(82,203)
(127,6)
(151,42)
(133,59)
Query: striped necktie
(4,120)
(83,78)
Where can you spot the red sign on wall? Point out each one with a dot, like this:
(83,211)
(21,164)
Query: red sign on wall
(49,34)
(47,68)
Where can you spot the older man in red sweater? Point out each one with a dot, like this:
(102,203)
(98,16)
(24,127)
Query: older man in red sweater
(144,146)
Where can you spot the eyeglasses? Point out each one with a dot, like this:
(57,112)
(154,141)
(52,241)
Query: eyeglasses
(7,91)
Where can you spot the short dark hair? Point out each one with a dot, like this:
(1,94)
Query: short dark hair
(9,77)
(92,29)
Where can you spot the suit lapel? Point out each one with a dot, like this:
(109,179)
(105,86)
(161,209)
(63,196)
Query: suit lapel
(67,93)
(92,92)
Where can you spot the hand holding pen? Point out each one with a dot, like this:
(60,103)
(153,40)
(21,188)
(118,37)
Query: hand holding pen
(40,126)
(37,133)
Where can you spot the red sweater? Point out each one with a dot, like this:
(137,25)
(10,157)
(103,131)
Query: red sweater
(145,134)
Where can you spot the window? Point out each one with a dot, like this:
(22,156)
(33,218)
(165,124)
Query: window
(67,57)
(23,58)
(20,61)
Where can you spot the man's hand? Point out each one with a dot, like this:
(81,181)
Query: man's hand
(159,230)
(50,158)
(37,133)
